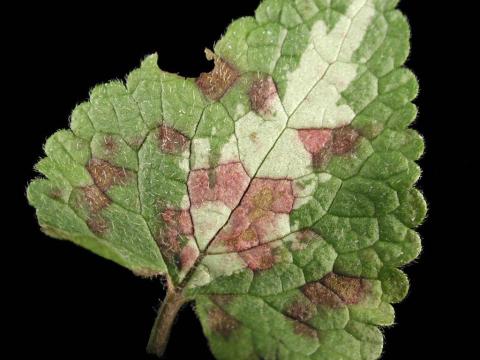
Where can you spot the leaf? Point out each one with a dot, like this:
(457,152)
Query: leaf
(276,191)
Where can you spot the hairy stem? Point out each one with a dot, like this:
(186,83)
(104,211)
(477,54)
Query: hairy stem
(163,323)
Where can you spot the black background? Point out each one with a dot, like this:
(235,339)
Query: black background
(68,301)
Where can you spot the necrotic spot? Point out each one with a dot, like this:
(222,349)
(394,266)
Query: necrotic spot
(262,94)
(215,83)
(105,175)
(171,141)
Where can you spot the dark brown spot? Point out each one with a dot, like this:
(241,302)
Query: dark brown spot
(262,94)
(105,175)
(301,310)
(110,144)
(171,141)
(95,199)
(97,224)
(215,83)
(56,193)
(222,323)
(344,140)
(305,330)
(321,158)
(350,289)
(259,258)
(321,295)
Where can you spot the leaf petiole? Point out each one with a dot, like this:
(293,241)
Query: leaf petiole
(166,315)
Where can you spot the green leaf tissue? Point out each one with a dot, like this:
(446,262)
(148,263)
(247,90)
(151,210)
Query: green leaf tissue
(276,192)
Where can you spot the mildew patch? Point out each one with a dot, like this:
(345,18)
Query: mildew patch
(221,323)
(261,216)
(171,141)
(323,143)
(262,94)
(105,175)
(259,258)
(350,289)
(225,183)
(216,83)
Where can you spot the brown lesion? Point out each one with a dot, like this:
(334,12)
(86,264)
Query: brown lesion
(176,225)
(216,83)
(344,140)
(105,175)
(56,193)
(302,310)
(221,323)
(319,294)
(351,290)
(171,141)
(97,224)
(304,330)
(95,201)
(262,94)
(110,145)
(335,291)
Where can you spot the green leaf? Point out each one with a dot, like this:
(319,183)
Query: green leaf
(275,191)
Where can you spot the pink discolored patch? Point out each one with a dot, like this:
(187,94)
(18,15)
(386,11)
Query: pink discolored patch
(262,95)
(323,143)
(188,255)
(178,219)
(315,140)
(269,194)
(258,215)
(228,184)
(259,258)
(176,223)
(171,141)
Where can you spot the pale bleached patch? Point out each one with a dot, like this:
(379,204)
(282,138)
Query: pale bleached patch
(278,228)
(200,153)
(229,152)
(299,202)
(256,135)
(305,186)
(208,218)
(326,70)
(287,159)
(223,264)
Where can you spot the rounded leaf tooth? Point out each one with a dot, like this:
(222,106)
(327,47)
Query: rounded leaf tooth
(80,122)
(394,284)
(412,209)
